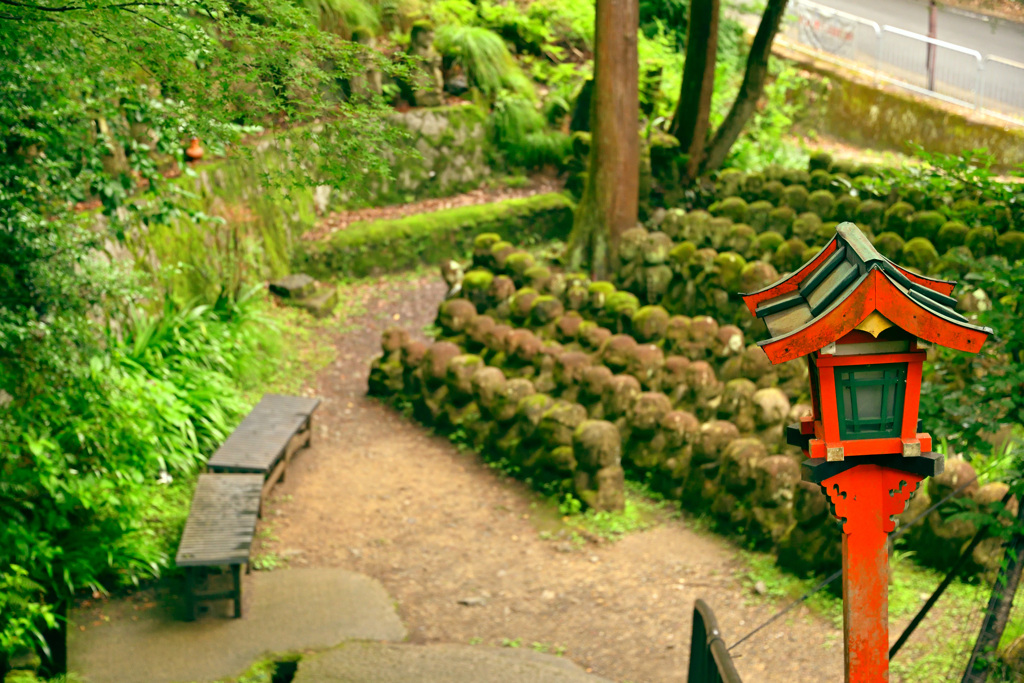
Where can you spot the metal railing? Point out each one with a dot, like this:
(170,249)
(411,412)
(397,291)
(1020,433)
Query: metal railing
(710,661)
(926,66)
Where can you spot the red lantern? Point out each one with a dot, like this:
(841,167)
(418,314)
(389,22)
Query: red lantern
(863,323)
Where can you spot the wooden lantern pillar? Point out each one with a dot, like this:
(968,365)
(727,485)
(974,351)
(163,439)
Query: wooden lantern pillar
(863,323)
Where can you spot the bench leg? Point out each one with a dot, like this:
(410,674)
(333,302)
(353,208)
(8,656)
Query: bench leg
(190,594)
(236,575)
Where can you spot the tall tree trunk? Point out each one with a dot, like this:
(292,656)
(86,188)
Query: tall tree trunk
(999,605)
(750,90)
(610,198)
(693,112)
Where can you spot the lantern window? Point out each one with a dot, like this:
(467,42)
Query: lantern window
(869,399)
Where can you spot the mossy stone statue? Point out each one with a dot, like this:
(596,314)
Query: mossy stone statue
(869,214)
(919,253)
(951,234)
(927,224)
(680,255)
(741,239)
(890,245)
(768,243)
(545,309)
(733,208)
(820,179)
(789,256)
(781,219)
(822,203)
(476,286)
(795,197)
(650,324)
(820,161)
(631,243)
(772,192)
(655,248)
(1011,245)
(981,240)
(758,213)
(897,218)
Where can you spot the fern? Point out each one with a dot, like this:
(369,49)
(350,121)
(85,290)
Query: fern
(483,56)
(519,131)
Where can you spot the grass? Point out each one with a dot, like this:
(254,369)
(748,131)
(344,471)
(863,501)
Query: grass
(938,649)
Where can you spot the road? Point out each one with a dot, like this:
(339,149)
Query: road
(987,35)
(998,86)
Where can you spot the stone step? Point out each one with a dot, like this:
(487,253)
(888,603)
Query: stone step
(375,662)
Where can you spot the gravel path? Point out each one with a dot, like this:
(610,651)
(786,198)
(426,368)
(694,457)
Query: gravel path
(461,550)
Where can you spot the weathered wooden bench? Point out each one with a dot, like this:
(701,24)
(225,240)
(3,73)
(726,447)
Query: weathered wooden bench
(267,438)
(218,533)
(229,498)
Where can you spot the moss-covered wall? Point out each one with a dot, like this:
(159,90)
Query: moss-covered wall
(844,106)
(447,152)
(389,245)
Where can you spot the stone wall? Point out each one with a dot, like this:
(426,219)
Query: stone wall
(844,105)
(447,152)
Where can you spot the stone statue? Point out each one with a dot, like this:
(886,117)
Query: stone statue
(428,86)
(368,82)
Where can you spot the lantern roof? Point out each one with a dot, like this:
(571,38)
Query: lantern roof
(844,284)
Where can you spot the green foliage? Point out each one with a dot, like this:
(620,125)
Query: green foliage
(673,14)
(341,17)
(519,132)
(85,497)
(762,142)
(483,56)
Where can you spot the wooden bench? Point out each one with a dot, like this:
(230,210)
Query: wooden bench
(229,498)
(267,438)
(219,532)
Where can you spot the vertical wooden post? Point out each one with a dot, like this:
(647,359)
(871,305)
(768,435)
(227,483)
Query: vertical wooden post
(865,498)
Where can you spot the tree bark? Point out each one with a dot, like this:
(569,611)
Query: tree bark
(999,605)
(693,112)
(609,204)
(750,90)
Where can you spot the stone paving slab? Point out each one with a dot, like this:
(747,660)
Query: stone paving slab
(391,663)
(288,609)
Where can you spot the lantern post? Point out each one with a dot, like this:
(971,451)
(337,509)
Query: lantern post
(863,323)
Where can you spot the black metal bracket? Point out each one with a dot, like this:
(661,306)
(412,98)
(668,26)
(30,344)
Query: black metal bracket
(818,470)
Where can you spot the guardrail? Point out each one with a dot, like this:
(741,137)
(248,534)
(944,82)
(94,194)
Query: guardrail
(927,66)
(710,661)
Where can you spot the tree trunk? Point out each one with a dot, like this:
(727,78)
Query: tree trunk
(693,112)
(999,605)
(750,90)
(609,204)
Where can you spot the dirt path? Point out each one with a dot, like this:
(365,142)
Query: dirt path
(381,495)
